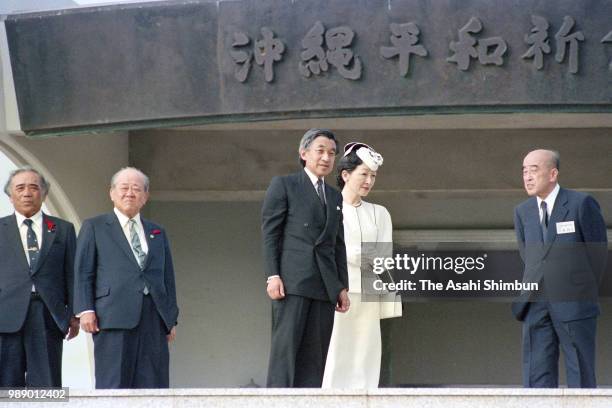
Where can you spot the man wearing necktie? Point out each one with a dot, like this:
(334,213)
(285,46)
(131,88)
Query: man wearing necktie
(125,291)
(562,240)
(305,257)
(36,280)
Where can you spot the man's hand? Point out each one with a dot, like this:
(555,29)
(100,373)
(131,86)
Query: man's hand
(89,322)
(343,302)
(276,289)
(73,329)
(172,335)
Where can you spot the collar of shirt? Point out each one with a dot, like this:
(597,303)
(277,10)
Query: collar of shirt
(123,219)
(125,226)
(550,201)
(313,178)
(37,219)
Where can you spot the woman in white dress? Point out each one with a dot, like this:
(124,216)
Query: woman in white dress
(353,359)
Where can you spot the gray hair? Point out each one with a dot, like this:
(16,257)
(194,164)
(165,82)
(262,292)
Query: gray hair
(145,178)
(555,159)
(309,136)
(44,184)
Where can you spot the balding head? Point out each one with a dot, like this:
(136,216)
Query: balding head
(134,171)
(550,157)
(129,191)
(540,172)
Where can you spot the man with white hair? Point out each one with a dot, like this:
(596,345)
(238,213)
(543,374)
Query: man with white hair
(125,291)
(36,277)
(562,240)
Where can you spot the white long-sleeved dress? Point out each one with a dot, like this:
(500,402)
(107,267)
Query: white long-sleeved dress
(353,359)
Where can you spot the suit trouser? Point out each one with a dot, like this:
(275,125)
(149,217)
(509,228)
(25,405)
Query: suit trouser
(542,336)
(133,358)
(301,331)
(32,356)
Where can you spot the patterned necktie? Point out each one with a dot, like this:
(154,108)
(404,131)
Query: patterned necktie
(544,220)
(320,191)
(32,242)
(136,246)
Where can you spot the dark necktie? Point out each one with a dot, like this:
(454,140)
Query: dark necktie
(320,191)
(544,220)
(32,244)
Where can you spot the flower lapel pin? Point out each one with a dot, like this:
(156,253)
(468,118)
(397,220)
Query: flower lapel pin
(50,226)
(154,233)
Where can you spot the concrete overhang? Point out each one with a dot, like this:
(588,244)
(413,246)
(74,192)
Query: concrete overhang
(207,64)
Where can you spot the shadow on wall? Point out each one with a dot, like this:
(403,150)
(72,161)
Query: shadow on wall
(6,166)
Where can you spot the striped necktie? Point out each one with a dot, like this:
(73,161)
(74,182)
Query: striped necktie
(135,242)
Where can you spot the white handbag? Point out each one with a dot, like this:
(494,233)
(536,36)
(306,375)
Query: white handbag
(390,304)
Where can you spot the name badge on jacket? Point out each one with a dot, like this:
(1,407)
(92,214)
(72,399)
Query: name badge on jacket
(566,227)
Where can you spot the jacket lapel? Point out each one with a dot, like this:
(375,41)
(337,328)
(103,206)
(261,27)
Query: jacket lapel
(310,195)
(153,241)
(48,237)
(119,237)
(534,219)
(332,211)
(559,213)
(11,232)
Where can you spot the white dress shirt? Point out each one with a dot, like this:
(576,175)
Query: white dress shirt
(124,221)
(37,226)
(314,179)
(550,202)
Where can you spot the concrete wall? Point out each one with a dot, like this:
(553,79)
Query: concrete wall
(439,179)
(224,329)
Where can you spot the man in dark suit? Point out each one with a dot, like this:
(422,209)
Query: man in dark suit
(36,275)
(305,257)
(125,290)
(562,240)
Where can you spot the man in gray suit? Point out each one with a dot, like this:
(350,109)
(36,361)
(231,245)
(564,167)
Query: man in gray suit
(305,256)
(562,240)
(125,291)
(36,275)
